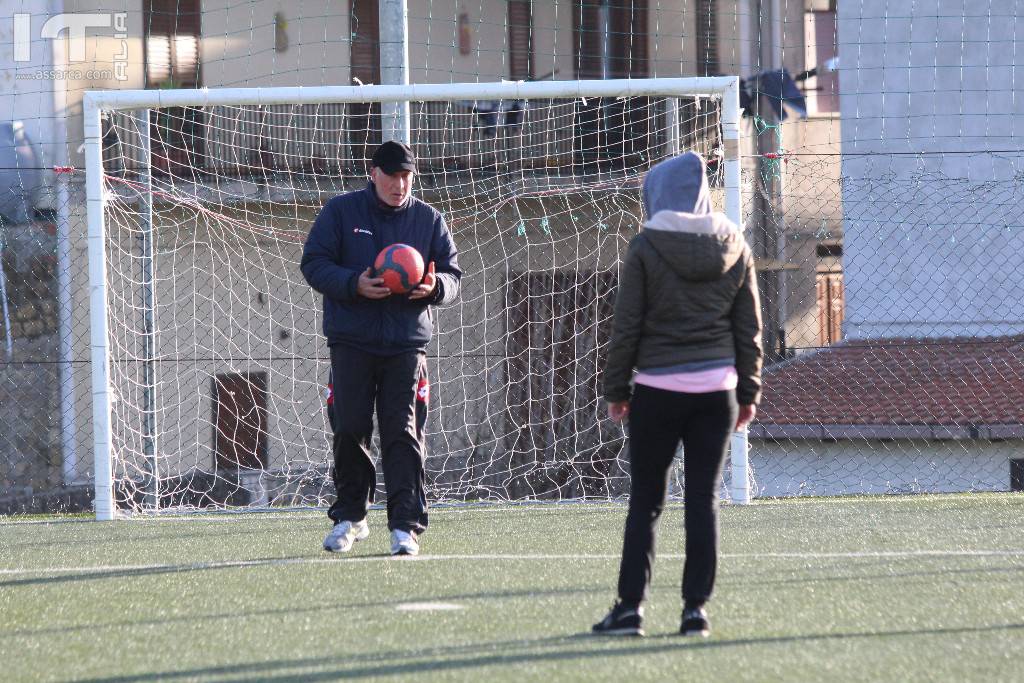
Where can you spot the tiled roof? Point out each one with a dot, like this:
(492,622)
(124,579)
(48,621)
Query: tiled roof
(952,387)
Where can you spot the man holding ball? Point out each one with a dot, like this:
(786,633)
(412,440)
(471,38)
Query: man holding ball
(378,340)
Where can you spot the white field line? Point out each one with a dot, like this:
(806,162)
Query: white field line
(340,561)
(427,606)
(321,513)
(533,506)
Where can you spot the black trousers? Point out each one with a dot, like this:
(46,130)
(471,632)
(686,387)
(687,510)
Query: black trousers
(397,387)
(658,420)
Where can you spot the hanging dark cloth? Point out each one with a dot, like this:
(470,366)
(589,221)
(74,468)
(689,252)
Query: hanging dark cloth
(778,88)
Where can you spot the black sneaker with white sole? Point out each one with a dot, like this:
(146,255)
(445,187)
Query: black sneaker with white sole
(622,620)
(695,622)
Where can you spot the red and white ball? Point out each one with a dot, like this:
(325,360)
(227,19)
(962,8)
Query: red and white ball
(401,267)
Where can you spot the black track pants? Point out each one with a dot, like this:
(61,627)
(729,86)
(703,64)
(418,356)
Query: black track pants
(658,420)
(397,387)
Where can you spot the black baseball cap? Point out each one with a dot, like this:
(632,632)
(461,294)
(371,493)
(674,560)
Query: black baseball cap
(393,156)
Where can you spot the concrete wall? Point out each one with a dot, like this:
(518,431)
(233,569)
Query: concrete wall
(238,47)
(818,468)
(933,236)
(434,55)
(552,22)
(671,45)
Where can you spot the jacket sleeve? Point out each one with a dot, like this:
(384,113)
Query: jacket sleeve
(319,263)
(627,325)
(746,331)
(446,264)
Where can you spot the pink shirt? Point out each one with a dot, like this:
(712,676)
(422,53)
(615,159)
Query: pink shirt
(698,382)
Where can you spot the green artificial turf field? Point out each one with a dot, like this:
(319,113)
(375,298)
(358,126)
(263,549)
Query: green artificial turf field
(927,588)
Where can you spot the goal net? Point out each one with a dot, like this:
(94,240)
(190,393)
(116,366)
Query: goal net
(210,367)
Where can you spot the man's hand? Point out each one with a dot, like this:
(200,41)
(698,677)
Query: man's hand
(427,287)
(618,411)
(746,415)
(372,287)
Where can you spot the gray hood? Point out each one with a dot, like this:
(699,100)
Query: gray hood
(695,247)
(677,184)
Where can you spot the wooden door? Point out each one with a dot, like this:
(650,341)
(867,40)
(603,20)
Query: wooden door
(240,420)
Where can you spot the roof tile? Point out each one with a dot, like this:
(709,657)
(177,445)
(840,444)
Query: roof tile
(950,381)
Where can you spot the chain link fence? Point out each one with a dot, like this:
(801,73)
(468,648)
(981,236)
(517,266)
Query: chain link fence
(43,366)
(870,385)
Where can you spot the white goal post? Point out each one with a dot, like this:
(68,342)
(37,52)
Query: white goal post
(140,104)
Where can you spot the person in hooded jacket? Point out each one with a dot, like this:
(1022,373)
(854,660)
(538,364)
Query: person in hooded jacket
(687,319)
(378,343)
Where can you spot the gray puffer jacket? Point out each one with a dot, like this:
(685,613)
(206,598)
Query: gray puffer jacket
(687,300)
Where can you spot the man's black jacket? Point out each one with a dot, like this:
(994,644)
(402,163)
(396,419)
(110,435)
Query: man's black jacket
(346,237)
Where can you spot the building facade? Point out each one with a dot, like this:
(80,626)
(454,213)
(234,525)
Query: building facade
(923,394)
(529,263)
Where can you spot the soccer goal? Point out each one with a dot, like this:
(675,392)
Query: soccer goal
(209,368)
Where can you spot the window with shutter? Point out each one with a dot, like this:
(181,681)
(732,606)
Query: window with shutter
(172,30)
(520,40)
(365,48)
(628,37)
(830,308)
(707,38)
(616,28)
(364,119)
(611,42)
(587,37)
(172,39)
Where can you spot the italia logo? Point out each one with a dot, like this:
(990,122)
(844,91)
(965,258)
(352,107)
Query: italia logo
(423,391)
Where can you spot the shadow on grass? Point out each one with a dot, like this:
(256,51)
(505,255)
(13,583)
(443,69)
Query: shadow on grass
(509,653)
(58,576)
(234,616)
(131,534)
(738,581)
(155,570)
(480,595)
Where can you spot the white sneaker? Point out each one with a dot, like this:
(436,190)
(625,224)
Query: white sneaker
(344,534)
(404,543)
